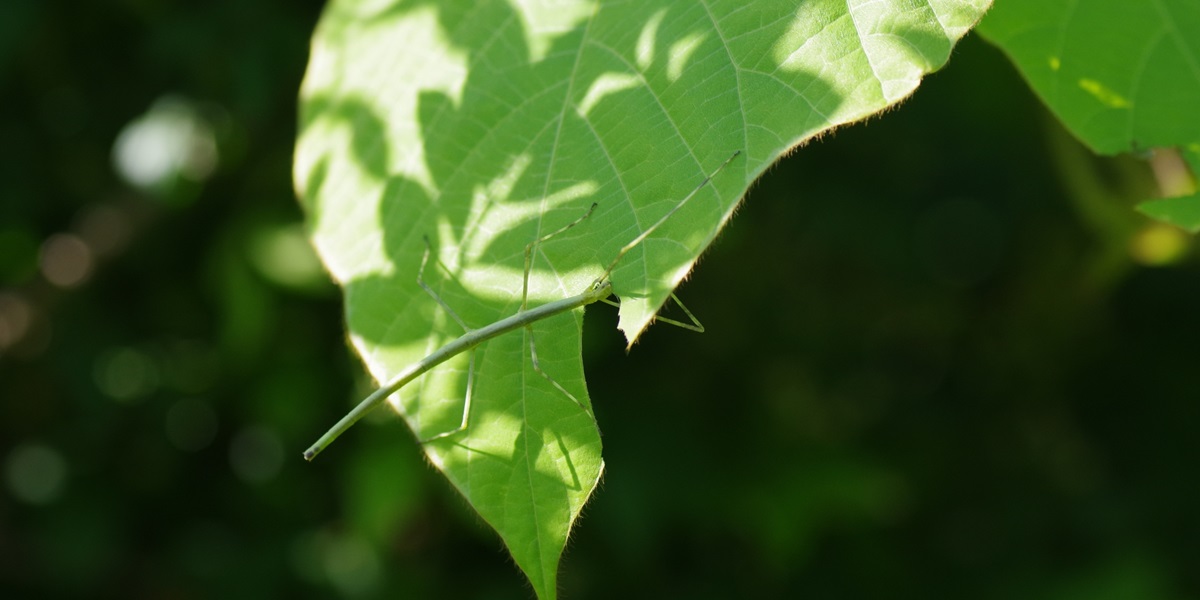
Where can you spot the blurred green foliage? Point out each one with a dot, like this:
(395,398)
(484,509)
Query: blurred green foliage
(936,364)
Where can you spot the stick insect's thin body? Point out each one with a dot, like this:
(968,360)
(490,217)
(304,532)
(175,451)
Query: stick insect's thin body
(599,290)
(463,343)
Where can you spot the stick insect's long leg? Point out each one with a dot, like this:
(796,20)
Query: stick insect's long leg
(429,290)
(538,367)
(695,324)
(525,298)
(466,414)
(531,245)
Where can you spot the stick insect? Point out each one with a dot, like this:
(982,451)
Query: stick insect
(598,291)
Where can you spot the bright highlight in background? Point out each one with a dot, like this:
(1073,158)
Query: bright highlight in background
(171,141)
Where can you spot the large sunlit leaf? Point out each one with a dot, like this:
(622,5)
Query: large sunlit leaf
(486,124)
(1122,76)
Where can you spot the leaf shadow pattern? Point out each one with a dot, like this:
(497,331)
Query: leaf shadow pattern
(500,165)
(481,209)
(494,123)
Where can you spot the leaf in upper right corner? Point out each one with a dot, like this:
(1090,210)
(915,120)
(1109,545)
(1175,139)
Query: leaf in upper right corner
(1121,76)
(774,75)
(1182,211)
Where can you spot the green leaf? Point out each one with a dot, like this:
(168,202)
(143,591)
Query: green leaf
(1122,76)
(1182,211)
(486,124)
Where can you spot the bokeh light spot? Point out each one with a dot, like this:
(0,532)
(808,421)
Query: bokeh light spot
(65,260)
(15,318)
(125,374)
(35,473)
(1158,244)
(285,257)
(351,565)
(172,140)
(347,562)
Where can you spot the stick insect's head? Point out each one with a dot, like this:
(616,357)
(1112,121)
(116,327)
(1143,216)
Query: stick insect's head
(599,290)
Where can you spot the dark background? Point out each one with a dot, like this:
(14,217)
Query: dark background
(937,363)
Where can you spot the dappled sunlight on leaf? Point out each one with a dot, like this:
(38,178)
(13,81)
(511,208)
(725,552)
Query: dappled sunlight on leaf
(486,125)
